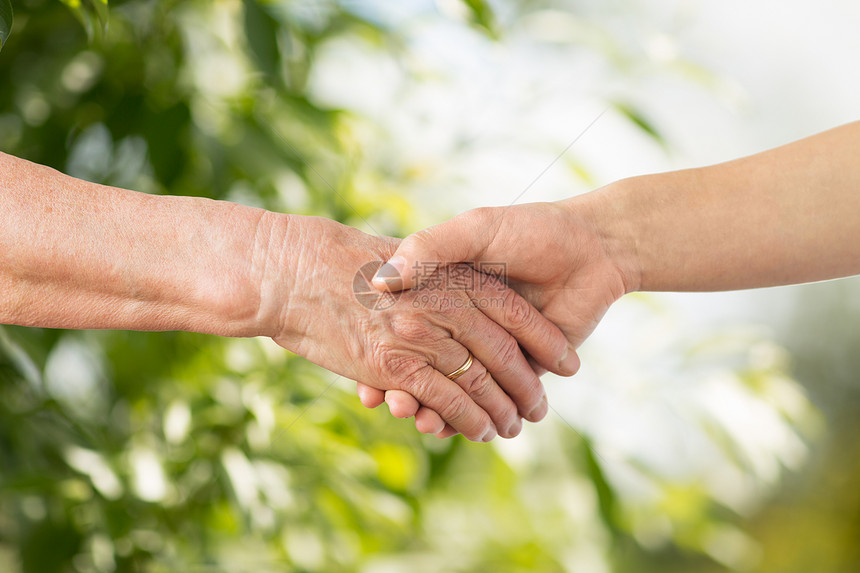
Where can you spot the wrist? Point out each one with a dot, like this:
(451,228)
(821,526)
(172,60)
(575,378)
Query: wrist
(234,245)
(274,247)
(242,280)
(291,274)
(607,215)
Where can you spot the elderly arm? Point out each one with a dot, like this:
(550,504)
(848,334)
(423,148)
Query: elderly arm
(75,254)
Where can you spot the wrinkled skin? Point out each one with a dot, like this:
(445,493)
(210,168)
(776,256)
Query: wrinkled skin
(553,258)
(411,345)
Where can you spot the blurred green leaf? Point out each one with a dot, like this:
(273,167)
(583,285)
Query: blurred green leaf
(606,498)
(93,16)
(261,33)
(100,7)
(483,16)
(640,121)
(6,17)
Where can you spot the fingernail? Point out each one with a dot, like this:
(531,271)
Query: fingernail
(569,363)
(515,428)
(390,274)
(539,412)
(491,433)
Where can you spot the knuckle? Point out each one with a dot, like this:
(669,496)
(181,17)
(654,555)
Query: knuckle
(394,363)
(409,328)
(417,240)
(480,386)
(457,320)
(508,353)
(479,215)
(424,242)
(457,409)
(417,384)
(518,312)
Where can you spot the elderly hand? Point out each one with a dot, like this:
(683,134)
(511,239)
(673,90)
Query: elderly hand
(308,296)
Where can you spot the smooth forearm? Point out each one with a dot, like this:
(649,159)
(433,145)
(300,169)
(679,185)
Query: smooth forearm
(785,216)
(79,255)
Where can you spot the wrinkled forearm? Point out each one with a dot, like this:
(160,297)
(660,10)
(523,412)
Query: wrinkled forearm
(75,254)
(785,216)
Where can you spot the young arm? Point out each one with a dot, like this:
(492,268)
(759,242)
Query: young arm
(784,216)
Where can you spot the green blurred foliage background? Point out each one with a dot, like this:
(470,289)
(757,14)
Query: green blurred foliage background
(126,451)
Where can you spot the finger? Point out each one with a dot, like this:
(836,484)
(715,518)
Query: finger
(452,403)
(401,404)
(447,432)
(429,422)
(542,339)
(480,384)
(538,369)
(500,354)
(462,239)
(369,396)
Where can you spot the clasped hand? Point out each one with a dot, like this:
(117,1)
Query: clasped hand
(560,282)
(408,348)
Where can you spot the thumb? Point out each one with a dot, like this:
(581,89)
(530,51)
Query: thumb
(464,238)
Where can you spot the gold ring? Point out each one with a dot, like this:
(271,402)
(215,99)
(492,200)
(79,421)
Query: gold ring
(461,370)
